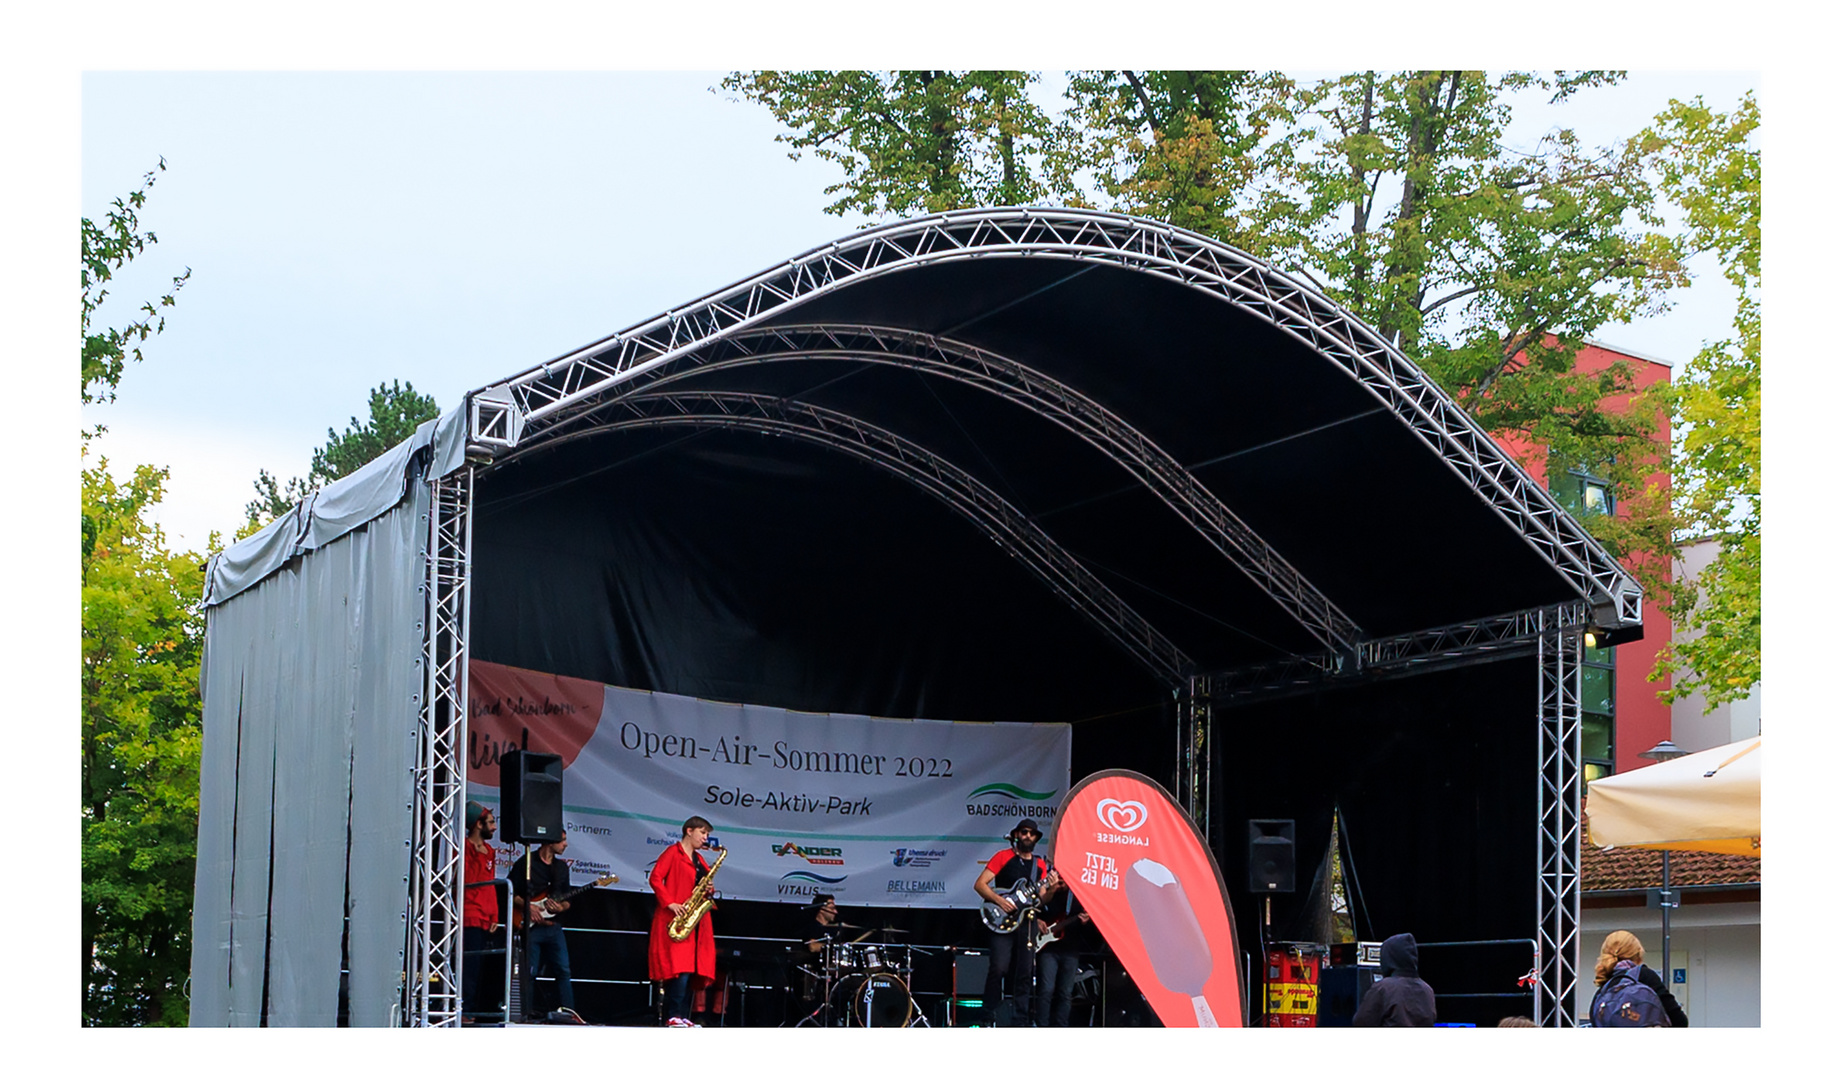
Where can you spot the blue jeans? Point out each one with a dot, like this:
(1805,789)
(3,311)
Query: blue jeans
(548,944)
(675,996)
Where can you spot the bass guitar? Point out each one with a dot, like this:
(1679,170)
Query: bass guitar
(544,901)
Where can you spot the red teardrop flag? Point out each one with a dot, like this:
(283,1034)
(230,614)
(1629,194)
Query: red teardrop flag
(1134,860)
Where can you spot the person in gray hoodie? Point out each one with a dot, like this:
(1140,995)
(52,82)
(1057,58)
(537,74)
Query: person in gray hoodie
(1400,998)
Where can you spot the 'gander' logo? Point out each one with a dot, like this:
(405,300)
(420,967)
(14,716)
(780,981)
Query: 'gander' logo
(1121,816)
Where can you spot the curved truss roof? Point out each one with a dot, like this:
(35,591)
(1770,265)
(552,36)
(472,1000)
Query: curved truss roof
(1214,464)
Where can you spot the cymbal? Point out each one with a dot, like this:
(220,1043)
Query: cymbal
(846,926)
(893,930)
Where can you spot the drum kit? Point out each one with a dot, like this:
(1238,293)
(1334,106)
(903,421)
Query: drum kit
(861,983)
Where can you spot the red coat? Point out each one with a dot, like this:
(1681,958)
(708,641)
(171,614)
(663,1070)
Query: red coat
(672,879)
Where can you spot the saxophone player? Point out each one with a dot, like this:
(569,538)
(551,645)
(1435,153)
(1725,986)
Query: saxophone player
(681,966)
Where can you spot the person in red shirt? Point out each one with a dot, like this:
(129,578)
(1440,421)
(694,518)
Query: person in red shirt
(681,966)
(482,918)
(1007,953)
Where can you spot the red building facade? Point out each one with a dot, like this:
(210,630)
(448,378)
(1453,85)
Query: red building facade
(1622,714)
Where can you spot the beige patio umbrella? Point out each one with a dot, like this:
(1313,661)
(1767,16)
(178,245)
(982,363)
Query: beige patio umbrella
(1707,801)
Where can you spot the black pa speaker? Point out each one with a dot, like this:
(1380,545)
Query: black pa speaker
(531,790)
(1271,856)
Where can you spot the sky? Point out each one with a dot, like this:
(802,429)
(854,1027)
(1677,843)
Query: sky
(385,221)
(450,229)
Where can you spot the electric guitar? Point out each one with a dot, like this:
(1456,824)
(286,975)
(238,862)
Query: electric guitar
(545,899)
(1027,896)
(1057,930)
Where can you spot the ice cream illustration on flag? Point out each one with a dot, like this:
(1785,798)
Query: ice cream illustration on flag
(1169,930)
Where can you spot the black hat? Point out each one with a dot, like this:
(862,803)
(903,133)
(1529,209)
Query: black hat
(1026,823)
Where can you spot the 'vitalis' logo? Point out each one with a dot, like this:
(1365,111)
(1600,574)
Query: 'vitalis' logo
(1017,802)
(1121,816)
(822,856)
(805,884)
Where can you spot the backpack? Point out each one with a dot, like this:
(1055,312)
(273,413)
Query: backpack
(1624,1001)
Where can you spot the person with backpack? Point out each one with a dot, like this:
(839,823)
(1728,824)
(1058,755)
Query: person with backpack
(1630,994)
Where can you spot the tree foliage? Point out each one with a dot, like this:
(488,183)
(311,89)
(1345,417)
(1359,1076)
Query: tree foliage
(107,247)
(142,642)
(916,141)
(1397,192)
(396,410)
(1709,167)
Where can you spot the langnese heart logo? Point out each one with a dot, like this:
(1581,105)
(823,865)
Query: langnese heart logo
(1121,816)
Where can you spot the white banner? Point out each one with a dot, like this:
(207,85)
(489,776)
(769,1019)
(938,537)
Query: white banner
(888,813)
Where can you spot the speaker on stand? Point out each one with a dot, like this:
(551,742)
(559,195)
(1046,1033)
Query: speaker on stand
(529,788)
(1271,870)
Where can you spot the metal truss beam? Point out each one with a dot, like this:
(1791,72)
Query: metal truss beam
(1558,793)
(1515,634)
(1195,753)
(436,885)
(955,488)
(1116,240)
(1077,413)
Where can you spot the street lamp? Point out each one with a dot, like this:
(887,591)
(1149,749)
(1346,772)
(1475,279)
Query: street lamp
(1665,751)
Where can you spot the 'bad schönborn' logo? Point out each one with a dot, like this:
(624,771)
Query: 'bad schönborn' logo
(1014,801)
(1121,816)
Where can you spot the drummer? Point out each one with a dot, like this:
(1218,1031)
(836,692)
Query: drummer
(819,927)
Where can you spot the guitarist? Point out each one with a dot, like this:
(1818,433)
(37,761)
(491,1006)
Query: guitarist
(1058,958)
(1007,953)
(543,876)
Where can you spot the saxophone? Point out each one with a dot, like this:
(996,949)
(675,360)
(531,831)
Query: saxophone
(697,903)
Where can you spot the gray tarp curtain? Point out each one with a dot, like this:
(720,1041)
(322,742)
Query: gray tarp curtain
(325,515)
(310,711)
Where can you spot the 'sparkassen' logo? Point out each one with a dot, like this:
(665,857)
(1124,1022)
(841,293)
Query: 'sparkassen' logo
(821,856)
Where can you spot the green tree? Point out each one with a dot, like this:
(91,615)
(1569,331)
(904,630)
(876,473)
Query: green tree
(107,247)
(916,141)
(395,412)
(1396,192)
(142,640)
(1184,147)
(1709,167)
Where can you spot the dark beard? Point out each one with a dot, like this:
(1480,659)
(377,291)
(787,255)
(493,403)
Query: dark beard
(1024,847)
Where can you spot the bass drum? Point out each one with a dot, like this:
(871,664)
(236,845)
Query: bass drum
(878,1000)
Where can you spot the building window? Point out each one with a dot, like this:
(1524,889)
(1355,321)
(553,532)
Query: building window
(1598,684)
(1580,491)
(1585,494)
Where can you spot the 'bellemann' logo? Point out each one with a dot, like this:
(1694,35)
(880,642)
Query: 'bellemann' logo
(825,856)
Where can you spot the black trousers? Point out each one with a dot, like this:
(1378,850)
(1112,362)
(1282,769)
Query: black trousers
(1057,979)
(482,989)
(1009,958)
